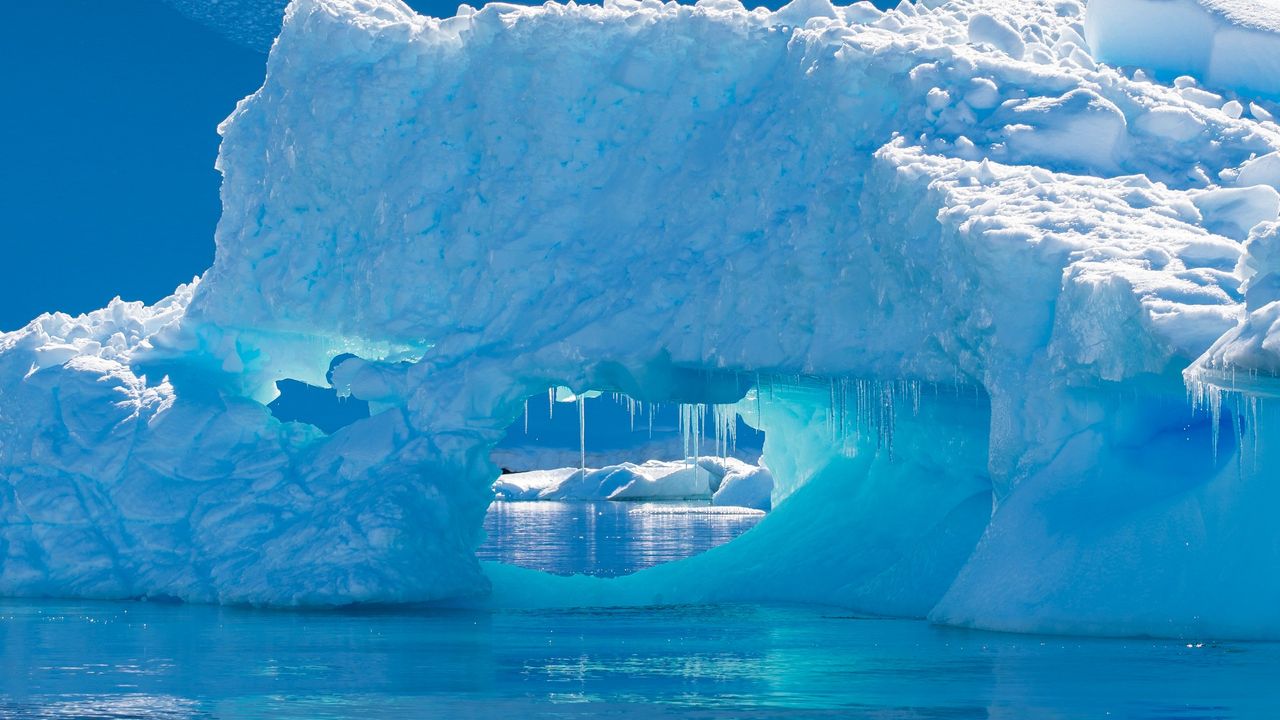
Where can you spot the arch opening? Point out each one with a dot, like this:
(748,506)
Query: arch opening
(604,484)
(881,491)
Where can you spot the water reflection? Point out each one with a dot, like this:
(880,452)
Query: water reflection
(65,659)
(606,538)
(132,706)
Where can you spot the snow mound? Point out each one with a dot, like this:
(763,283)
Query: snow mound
(960,273)
(725,481)
(750,489)
(530,484)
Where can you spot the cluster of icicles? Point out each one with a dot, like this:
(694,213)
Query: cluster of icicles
(1242,394)
(854,409)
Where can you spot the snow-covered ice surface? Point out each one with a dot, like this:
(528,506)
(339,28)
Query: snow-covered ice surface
(955,266)
(1229,44)
(723,481)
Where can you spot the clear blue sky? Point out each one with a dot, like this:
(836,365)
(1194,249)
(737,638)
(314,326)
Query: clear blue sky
(107,144)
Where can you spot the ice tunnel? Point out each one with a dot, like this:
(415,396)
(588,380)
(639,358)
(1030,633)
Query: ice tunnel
(982,293)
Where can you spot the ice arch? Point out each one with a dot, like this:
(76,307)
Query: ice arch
(952,208)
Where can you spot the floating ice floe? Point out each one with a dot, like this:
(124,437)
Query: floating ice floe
(723,481)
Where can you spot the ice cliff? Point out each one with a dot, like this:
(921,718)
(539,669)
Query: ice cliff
(993,300)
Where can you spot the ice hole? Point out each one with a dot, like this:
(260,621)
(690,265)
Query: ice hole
(322,407)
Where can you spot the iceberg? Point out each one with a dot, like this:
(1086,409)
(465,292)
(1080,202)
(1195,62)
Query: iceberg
(1003,309)
(723,481)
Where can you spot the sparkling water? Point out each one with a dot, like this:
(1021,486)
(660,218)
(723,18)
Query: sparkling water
(606,538)
(140,660)
(146,660)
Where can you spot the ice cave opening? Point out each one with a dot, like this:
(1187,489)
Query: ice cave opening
(603,484)
(323,407)
(839,452)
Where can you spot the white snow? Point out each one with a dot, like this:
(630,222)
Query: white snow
(1263,170)
(984,28)
(724,481)
(752,489)
(528,485)
(958,266)
(1233,212)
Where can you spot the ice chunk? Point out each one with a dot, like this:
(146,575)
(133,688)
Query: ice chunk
(528,485)
(1174,123)
(985,28)
(799,12)
(693,479)
(1234,211)
(1232,44)
(983,94)
(656,480)
(1080,127)
(752,489)
(1259,268)
(1263,170)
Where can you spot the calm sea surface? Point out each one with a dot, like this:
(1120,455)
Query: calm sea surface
(606,538)
(68,659)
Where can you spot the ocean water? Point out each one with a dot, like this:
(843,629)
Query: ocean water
(606,538)
(139,660)
(73,659)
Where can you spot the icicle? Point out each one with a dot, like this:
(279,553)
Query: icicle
(726,423)
(725,419)
(831,409)
(717,427)
(700,416)
(526,416)
(759,411)
(693,420)
(1205,396)
(1254,422)
(582,435)
(1215,412)
(684,432)
(731,425)
(551,403)
(1238,427)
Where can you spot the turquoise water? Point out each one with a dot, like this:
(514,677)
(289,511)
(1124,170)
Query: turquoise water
(606,538)
(69,659)
(97,660)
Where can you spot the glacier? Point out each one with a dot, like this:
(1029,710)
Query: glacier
(1000,293)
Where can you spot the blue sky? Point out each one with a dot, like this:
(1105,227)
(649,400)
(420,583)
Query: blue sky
(107,142)
(109,138)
